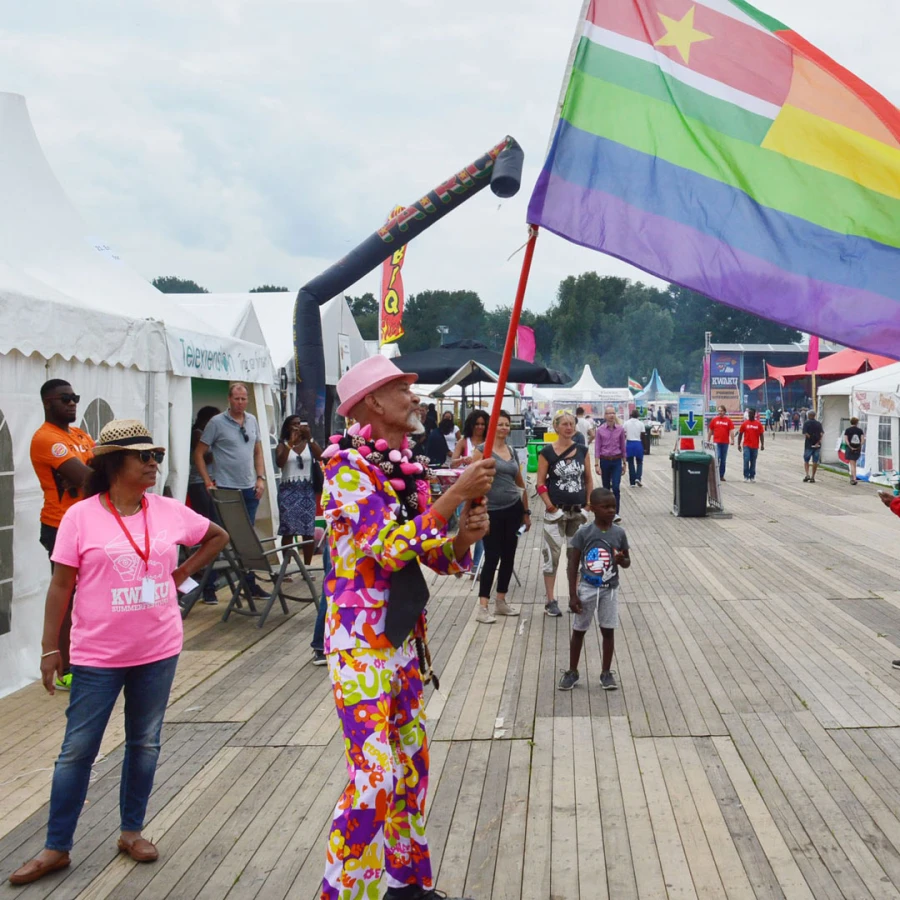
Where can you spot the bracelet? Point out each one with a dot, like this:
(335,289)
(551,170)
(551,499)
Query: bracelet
(527,512)
(49,653)
(542,489)
(438,516)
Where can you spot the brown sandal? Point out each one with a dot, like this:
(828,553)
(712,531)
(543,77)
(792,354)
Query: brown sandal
(140,849)
(34,869)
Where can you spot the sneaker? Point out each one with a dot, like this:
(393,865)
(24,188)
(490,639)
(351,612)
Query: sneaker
(502,608)
(895,664)
(552,609)
(64,683)
(721,478)
(484,616)
(608,681)
(569,680)
(211,600)
(639,483)
(617,520)
(812,480)
(806,478)
(319,658)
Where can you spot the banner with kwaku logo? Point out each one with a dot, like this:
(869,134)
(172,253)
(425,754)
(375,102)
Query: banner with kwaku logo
(725,380)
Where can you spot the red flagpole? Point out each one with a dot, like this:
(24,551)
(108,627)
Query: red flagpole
(510,340)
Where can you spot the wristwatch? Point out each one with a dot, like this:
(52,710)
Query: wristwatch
(261,476)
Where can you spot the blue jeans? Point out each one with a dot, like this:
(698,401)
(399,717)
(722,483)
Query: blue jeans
(611,474)
(94,693)
(750,455)
(634,452)
(722,455)
(318,638)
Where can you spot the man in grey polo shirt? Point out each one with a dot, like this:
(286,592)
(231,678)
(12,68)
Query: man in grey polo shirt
(236,444)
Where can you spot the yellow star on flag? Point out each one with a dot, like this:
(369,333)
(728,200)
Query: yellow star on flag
(681,34)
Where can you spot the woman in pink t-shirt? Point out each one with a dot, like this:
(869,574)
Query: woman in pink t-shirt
(121,544)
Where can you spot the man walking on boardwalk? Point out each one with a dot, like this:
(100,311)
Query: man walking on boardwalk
(381,527)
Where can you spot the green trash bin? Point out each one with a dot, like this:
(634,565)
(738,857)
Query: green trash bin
(690,479)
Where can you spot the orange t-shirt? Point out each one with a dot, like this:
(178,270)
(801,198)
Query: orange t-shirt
(50,448)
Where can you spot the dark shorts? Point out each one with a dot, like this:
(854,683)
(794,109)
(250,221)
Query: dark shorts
(852,455)
(48,538)
(812,455)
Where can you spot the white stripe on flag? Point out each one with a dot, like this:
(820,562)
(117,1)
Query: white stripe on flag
(642,50)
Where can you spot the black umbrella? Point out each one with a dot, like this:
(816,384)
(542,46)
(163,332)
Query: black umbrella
(437,365)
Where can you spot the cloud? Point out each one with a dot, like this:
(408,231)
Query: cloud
(236,143)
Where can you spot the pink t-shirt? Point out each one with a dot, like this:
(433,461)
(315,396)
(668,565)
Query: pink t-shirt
(112,626)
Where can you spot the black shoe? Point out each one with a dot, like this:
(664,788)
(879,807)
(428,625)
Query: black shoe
(895,664)
(319,658)
(608,681)
(257,591)
(414,892)
(569,680)
(805,478)
(211,600)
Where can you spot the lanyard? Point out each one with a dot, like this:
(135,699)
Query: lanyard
(145,556)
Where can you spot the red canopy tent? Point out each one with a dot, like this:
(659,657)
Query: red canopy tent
(839,365)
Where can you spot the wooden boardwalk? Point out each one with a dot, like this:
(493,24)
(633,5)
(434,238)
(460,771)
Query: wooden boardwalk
(753,750)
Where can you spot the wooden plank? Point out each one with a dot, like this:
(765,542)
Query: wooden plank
(510,863)
(590,852)
(563,824)
(538,828)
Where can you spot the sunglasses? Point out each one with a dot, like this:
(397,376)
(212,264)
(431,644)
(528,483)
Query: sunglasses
(69,398)
(244,434)
(146,455)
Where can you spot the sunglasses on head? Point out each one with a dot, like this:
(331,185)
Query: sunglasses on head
(147,455)
(69,398)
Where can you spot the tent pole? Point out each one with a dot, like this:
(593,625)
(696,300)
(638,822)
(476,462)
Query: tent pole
(510,339)
(765,387)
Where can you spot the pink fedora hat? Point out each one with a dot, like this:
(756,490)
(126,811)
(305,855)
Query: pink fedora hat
(365,377)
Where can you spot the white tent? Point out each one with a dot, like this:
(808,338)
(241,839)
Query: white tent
(585,392)
(71,309)
(874,398)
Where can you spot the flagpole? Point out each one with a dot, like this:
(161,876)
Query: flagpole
(765,387)
(510,340)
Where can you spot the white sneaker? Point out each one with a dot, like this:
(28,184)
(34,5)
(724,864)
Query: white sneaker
(617,520)
(502,608)
(484,616)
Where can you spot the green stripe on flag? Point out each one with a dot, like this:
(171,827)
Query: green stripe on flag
(758,15)
(648,79)
(660,129)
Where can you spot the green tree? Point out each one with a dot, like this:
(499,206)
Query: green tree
(460,311)
(365,312)
(172,284)
(269,289)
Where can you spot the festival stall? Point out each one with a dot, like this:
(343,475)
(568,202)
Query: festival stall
(656,396)
(72,309)
(874,398)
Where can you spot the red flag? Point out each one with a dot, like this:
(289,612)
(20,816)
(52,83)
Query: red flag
(391,309)
(812,361)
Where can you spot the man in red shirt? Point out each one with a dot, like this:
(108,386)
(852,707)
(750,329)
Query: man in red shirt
(753,435)
(720,433)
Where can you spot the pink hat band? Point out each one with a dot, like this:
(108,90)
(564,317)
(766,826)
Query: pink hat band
(364,378)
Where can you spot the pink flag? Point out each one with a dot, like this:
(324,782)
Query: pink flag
(812,361)
(525,343)
(704,384)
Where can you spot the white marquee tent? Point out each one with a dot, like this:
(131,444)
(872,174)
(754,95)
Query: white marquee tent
(874,398)
(585,392)
(71,309)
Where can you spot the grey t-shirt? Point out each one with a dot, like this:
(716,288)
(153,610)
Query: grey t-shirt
(504,491)
(598,562)
(234,455)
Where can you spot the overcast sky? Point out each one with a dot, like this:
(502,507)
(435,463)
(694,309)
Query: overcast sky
(238,142)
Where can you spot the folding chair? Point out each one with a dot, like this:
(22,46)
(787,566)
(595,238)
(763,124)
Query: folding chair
(222,565)
(248,555)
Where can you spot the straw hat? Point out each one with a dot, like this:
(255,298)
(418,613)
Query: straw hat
(364,378)
(125,434)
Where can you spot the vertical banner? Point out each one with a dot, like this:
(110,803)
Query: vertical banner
(725,380)
(390,311)
(526,347)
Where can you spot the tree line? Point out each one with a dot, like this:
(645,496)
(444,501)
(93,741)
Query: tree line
(621,328)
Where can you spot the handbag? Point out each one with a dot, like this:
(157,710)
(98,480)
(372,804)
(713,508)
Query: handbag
(318,477)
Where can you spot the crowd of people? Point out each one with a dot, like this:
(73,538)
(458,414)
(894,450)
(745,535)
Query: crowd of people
(112,622)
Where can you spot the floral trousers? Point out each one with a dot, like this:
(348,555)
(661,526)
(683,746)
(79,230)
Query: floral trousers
(379,822)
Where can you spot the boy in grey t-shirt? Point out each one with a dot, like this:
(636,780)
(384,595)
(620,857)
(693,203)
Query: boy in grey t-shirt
(598,550)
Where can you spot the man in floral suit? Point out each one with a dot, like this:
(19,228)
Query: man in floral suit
(381,527)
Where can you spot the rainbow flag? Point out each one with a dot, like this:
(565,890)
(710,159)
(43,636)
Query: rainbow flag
(710,145)
(634,385)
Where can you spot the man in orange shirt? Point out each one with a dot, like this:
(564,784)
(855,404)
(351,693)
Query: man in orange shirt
(60,454)
(720,429)
(753,434)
